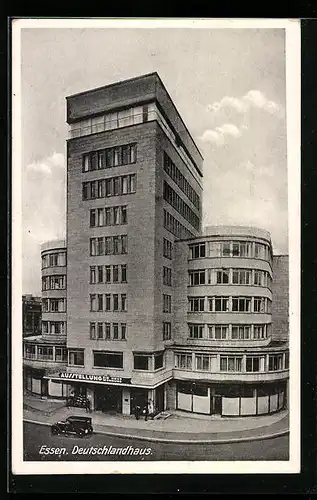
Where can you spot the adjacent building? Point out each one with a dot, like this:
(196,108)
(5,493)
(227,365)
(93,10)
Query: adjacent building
(144,305)
(31,314)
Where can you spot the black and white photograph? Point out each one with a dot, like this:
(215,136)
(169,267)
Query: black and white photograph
(156,238)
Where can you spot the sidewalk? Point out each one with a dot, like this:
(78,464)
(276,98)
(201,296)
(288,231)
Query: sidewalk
(178,427)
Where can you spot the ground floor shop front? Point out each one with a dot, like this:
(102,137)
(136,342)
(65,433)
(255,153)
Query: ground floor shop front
(109,397)
(230,400)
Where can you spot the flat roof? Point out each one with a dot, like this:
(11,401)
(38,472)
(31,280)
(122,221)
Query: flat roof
(133,79)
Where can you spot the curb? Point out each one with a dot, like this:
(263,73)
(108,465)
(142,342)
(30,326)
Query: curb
(180,441)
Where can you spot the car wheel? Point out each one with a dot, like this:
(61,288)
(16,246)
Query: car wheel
(80,433)
(54,431)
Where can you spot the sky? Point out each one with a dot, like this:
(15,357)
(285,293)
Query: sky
(227,84)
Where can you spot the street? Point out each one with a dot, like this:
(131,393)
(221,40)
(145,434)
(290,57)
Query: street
(100,447)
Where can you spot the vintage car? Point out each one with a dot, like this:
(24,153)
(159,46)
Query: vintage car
(77,425)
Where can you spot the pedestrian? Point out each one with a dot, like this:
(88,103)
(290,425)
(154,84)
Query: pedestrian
(146,411)
(88,406)
(137,411)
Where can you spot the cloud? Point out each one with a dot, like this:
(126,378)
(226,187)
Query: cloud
(47,165)
(218,135)
(253,98)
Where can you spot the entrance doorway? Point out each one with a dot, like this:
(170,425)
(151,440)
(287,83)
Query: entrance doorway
(139,397)
(159,398)
(108,399)
(216,405)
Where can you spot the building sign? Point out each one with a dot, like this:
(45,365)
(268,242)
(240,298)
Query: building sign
(94,378)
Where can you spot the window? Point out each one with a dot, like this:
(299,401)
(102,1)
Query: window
(259,332)
(214,249)
(225,249)
(286,361)
(258,278)
(45,353)
(167,331)
(253,364)
(195,331)
(116,302)
(196,304)
(111,157)
(175,227)
(100,246)
(60,354)
(202,362)
(240,332)
(108,359)
(124,244)
(57,327)
(100,302)
(180,206)
(167,276)
(108,274)
(197,251)
(180,180)
(100,331)
(230,364)
(100,274)
(141,362)
(275,362)
(218,332)
(221,304)
(92,218)
(115,330)
(241,249)
(123,302)
(241,304)
(92,331)
(107,302)
(45,305)
(167,303)
(93,302)
(44,327)
(107,331)
(30,351)
(167,249)
(124,215)
(113,186)
(115,274)
(123,331)
(76,357)
(222,277)
(241,277)
(259,304)
(158,361)
(259,251)
(197,277)
(183,361)
(123,273)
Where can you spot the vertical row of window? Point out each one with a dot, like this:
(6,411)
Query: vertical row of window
(110,157)
(175,227)
(112,186)
(180,206)
(180,180)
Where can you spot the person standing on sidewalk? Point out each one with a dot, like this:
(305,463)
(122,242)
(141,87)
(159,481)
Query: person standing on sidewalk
(137,411)
(146,411)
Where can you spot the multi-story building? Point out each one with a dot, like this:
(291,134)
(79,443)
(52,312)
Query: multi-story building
(227,360)
(139,324)
(31,312)
(47,353)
